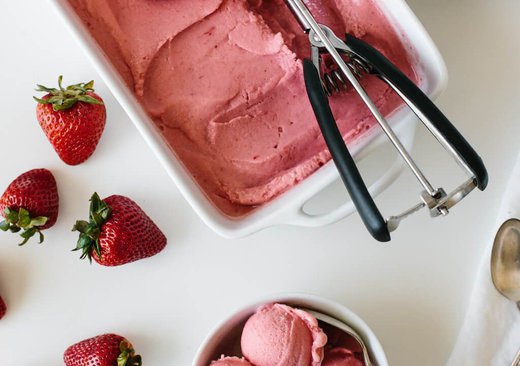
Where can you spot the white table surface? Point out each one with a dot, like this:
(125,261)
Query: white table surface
(413,291)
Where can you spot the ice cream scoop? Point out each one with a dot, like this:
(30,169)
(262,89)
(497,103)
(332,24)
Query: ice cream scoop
(363,59)
(230,361)
(279,335)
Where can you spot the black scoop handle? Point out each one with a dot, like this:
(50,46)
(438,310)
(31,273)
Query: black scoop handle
(389,71)
(345,164)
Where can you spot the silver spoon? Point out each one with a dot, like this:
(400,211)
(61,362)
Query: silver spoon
(344,327)
(505,264)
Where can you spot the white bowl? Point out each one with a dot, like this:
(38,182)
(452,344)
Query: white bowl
(228,332)
(287,208)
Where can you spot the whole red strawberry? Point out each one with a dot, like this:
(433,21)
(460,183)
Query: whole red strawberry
(73,119)
(118,232)
(30,203)
(3,308)
(103,350)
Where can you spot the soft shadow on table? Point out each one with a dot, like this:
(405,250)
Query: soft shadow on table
(15,274)
(420,311)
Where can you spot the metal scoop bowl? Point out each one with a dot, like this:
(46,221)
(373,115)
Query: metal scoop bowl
(345,328)
(505,264)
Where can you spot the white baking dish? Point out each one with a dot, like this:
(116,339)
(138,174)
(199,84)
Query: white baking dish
(228,332)
(288,207)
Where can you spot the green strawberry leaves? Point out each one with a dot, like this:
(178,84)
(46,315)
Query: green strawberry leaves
(64,98)
(127,356)
(21,219)
(89,231)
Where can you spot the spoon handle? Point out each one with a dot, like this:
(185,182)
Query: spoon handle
(516,361)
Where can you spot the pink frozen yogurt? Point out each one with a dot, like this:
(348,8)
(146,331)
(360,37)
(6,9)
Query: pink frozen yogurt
(279,335)
(222,80)
(341,357)
(230,361)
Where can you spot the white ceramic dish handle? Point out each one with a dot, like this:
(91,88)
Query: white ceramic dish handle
(299,217)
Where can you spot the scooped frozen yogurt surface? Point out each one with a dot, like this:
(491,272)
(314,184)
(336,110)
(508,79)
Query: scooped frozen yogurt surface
(230,361)
(341,357)
(278,335)
(223,82)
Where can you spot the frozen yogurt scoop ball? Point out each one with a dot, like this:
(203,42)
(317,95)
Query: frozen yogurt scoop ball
(230,361)
(279,335)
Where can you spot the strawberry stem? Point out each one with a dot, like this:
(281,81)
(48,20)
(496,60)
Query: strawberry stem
(89,231)
(127,356)
(22,219)
(64,98)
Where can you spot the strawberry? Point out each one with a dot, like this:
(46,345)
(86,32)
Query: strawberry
(3,308)
(30,203)
(73,119)
(103,350)
(117,232)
